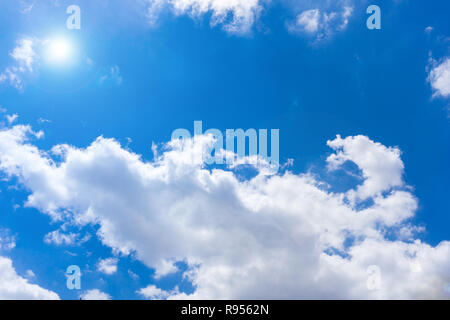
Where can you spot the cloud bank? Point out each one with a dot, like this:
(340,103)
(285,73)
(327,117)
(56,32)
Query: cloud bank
(278,236)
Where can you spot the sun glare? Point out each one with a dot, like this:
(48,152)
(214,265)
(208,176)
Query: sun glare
(59,50)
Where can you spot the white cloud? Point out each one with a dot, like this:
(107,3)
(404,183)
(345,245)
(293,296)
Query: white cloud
(320,23)
(309,20)
(95,294)
(236,16)
(11,118)
(381,171)
(14,287)
(164,268)
(7,241)
(345,15)
(428,29)
(279,236)
(108,266)
(25,57)
(24,53)
(59,238)
(151,292)
(13,76)
(439,78)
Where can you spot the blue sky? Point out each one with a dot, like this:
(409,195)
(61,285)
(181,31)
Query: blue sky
(139,71)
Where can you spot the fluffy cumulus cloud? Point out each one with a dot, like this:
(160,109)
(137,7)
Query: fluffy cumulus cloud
(439,77)
(95,294)
(108,266)
(236,16)
(152,292)
(382,170)
(14,287)
(271,236)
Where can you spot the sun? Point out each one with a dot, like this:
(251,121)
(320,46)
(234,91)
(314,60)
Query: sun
(59,50)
